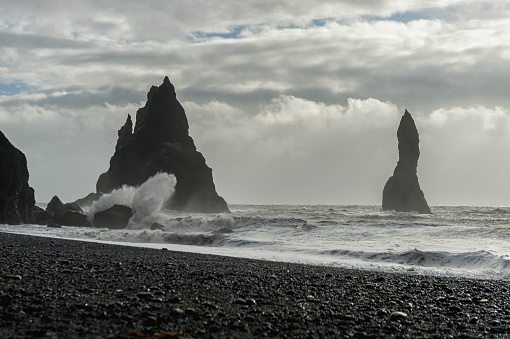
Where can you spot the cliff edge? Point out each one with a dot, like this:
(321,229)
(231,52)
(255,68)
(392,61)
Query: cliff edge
(16,197)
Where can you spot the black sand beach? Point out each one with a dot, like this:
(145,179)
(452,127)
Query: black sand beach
(54,288)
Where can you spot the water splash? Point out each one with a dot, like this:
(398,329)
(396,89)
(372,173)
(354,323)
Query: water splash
(451,242)
(145,200)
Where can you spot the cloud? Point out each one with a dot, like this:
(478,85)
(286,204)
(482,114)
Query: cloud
(298,151)
(464,155)
(429,62)
(424,64)
(314,144)
(66,147)
(161,20)
(289,101)
(33,41)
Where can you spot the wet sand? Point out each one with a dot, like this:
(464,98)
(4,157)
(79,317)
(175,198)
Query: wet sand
(54,288)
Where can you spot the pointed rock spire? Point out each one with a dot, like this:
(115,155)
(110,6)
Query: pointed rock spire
(125,133)
(402,191)
(161,143)
(163,119)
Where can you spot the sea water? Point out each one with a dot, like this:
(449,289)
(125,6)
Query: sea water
(458,241)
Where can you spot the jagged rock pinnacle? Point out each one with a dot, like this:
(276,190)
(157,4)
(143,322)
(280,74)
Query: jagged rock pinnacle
(402,191)
(125,133)
(160,142)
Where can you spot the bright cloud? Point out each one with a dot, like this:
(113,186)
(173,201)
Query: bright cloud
(289,102)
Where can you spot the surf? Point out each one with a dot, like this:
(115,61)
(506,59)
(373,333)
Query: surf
(454,241)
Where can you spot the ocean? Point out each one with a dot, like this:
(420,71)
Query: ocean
(462,241)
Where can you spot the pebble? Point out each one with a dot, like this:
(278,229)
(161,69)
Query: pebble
(145,295)
(164,293)
(251,302)
(12,277)
(174,300)
(178,311)
(240,301)
(398,315)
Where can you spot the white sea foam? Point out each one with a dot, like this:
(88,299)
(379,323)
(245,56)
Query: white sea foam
(147,200)
(454,241)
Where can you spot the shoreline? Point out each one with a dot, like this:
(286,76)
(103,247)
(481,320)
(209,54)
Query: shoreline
(75,289)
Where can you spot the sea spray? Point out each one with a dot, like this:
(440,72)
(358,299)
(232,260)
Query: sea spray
(454,241)
(150,199)
(146,200)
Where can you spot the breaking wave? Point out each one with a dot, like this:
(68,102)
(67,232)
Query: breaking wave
(433,259)
(451,242)
(145,200)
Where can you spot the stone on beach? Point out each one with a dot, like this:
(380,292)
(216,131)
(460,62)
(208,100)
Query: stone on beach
(70,289)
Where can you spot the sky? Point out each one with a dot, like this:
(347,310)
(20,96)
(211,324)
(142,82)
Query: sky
(290,102)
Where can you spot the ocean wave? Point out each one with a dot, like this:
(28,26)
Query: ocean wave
(211,223)
(191,239)
(474,260)
(145,200)
(449,242)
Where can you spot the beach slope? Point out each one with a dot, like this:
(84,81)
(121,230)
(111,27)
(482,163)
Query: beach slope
(58,288)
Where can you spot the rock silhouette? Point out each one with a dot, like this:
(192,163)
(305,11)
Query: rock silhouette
(16,197)
(69,214)
(402,191)
(116,217)
(88,200)
(160,143)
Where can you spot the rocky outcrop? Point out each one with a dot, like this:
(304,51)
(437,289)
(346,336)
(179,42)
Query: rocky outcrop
(116,217)
(16,197)
(69,214)
(160,143)
(56,206)
(72,218)
(88,200)
(157,227)
(41,217)
(402,191)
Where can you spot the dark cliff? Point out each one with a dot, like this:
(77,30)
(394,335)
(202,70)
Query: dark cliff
(160,143)
(402,191)
(16,197)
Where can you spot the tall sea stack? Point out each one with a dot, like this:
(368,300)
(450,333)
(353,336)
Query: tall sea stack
(402,191)
(16,197)
(160,143)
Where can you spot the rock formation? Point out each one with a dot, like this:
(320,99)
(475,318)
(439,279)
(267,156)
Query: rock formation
(116,217)
(16,197)
(402,191)
(40,215)
(69,214)
(161,143)
(88,200)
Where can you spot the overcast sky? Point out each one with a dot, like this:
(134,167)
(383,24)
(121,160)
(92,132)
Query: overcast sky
(290,102)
